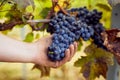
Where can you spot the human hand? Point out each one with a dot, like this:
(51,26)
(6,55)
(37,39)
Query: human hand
(41,57)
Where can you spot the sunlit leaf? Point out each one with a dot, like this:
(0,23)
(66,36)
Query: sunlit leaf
(6,5)
(80,45)
(37,36)
(5,32)
(22,4)
(80,62)
(42,8)
(65,3)
(29,37)
(104,6)
(44,12)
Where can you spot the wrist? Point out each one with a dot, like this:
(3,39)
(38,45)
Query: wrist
(28,54)
(36,51)
(33,51)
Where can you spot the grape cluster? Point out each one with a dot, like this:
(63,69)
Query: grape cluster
(91,18)
(80,23)
(62,36)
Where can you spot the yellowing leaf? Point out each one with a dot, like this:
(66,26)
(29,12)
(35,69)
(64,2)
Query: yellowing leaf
(104,6)
(65,3)
(112,42)
(95,63)
(45,71)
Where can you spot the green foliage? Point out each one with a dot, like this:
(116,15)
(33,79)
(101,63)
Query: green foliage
(95,63)
(5,7)
(29,37)
(80,45)
(42,8)
(44,12)
(21,5)
(104,6)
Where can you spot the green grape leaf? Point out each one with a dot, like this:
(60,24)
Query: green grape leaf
(29,37)
(22,4)
(37,36)
(82,61)
(95,63)
(104,6)
(45,71)
(44,12)
(80,45)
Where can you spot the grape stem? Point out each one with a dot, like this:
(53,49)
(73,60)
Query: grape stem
(39,21)
(61,9)
(32,23)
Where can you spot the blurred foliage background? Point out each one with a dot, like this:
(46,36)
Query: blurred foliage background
(18,71)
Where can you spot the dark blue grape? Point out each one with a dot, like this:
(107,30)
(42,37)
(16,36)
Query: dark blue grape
(62,55)
(57,57)
(60,15)
(88,35)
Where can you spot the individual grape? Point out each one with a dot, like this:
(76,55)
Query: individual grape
(62,55)
(51,56)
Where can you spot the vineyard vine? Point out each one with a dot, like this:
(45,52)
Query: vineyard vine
(38,14)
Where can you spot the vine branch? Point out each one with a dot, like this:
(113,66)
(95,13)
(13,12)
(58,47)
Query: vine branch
(51,12)
(10,25)
(33,23)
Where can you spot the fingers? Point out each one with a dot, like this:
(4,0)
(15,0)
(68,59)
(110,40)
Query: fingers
(59,63)
(69,53)
(72,48)
(75,46)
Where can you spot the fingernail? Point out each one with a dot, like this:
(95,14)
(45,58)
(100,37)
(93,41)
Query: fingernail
(74,43)
(56,64)
(67,50)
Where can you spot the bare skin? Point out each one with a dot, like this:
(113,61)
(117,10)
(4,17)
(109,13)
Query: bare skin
(16,51)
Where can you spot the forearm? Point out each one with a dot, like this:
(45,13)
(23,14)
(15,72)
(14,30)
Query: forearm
(15,51)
